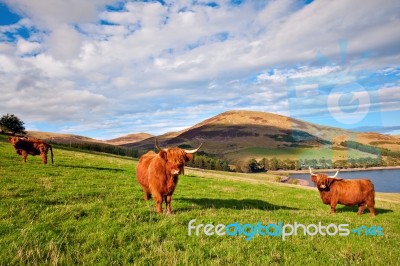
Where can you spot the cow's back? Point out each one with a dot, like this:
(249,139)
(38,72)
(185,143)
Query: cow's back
(353,192)
(32,147)
(142,170)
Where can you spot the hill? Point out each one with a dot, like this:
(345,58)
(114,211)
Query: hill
(237,136)
(235,130)
(87,209)
(129,139)
(61,138)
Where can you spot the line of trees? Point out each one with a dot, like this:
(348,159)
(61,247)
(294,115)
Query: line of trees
(370,149)
(361,147)
(206,162)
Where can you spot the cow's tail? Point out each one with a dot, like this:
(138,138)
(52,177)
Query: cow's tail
(51,151)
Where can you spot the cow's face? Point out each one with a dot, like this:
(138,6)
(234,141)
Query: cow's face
(323,181)
(175,160)
(13,140)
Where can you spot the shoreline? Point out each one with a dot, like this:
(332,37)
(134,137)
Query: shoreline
(305,171)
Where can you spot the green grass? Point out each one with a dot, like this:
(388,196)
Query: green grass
(88,209)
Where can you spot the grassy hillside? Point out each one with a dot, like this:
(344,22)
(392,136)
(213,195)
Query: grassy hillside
(130,138)
(296,154)
(88,209)
(62,138)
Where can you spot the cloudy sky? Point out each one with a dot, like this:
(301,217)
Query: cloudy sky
(105,68)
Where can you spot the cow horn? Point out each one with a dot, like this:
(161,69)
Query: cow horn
(195,150)
(157,146)
(337,172)
(310,170)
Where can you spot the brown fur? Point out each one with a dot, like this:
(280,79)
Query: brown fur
(158,174)
(358,192)
(25,146)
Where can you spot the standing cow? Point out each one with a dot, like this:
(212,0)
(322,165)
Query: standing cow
(25,146)
(158,173)
(351,192)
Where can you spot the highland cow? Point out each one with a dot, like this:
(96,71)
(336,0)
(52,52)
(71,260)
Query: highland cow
(24,146)
(351,192)
(158,173)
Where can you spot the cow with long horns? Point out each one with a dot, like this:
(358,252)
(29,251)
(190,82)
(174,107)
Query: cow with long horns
(350,192)
(158,173)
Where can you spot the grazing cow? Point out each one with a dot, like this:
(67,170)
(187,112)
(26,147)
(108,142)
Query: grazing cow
(158,173)
(25,146)
(352,192)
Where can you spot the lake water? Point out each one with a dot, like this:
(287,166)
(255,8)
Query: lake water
(384,180)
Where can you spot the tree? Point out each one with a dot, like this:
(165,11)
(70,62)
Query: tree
(11,124)
(274,164)
(252,166)
(263,164)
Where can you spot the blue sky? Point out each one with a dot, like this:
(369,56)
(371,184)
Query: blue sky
(104,69)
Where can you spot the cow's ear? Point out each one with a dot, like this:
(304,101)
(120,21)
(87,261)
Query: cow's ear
(189,156)
(163,154)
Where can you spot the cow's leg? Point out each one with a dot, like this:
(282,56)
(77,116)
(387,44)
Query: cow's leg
(43,155)
(168,203)
(361,208)
(24,154)
(147,195)
(371,207)
(371,203)
(333,207)
(159,200)
(372,210)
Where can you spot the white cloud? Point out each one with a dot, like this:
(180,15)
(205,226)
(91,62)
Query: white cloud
(48,14)
(389,98)
(64,43)
(27,48)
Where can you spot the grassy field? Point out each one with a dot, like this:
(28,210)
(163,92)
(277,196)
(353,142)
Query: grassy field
(88,209)
(297,153)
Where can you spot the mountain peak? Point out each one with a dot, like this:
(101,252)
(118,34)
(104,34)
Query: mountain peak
(245,117)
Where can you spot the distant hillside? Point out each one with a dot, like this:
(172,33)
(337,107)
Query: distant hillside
(61,138)
(379,140)
(235,130)
(240,135)
(131,138)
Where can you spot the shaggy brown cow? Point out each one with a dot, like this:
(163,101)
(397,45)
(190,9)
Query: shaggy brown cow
(334,190)
(25,146)
(158,173)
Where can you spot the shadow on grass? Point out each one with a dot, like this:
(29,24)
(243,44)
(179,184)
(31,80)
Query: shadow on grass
(235,204)
(93,168)
(366,211)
